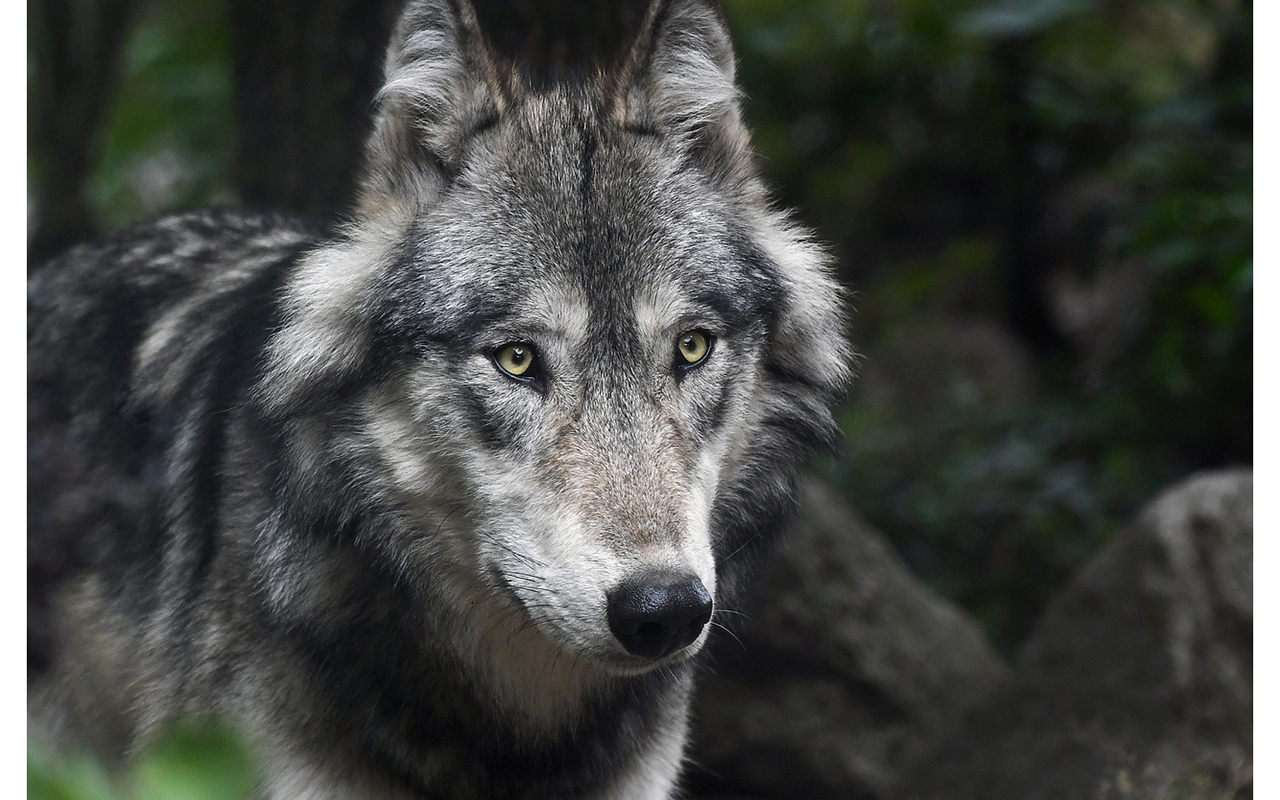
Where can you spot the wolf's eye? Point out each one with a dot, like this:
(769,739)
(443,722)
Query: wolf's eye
(692,347)
(515,359)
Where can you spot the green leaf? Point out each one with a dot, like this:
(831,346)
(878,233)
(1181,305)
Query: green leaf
(71,777)
(195,762)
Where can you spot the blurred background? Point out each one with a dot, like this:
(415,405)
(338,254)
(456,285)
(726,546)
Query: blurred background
(1043,210)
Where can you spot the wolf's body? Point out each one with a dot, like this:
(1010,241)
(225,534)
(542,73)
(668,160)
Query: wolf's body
(368,537)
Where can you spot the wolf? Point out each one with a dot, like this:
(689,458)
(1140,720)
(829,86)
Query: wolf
(444,504)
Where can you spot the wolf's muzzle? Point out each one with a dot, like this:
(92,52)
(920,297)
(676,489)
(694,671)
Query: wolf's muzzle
(658,613)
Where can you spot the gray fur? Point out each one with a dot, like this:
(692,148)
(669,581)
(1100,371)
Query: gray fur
(381,557)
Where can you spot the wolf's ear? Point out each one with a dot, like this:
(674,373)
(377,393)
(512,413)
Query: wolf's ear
(442,84)
(678,80)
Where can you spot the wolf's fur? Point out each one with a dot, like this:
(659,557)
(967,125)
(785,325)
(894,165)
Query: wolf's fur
(382,558)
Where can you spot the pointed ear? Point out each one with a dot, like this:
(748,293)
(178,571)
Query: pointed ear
(678,79)
(442,84)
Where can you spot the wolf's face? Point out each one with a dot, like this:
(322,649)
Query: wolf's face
(590,337)
(586,356)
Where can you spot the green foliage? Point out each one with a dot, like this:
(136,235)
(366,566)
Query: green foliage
(950,150)
(1195,234)
(191,762)
(994,506)
(71,778)
(168,139)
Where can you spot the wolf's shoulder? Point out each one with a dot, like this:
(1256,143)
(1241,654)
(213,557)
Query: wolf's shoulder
(154,304)
(133,275)
(152,255)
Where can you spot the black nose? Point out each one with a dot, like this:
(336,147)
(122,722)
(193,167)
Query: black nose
(659,613)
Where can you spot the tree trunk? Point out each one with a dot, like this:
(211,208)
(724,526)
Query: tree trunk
(75,47)
(307,72)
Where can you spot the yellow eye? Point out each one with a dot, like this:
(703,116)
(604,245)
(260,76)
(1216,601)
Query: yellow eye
(515,359)
(692,347)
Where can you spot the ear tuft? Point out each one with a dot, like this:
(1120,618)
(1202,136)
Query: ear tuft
(442,83)
(679,80)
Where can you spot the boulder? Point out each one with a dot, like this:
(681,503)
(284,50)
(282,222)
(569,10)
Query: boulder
(846,662)
(1138,680)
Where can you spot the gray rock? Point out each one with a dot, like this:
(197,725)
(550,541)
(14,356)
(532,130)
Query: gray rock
(847,662)
(1138,680)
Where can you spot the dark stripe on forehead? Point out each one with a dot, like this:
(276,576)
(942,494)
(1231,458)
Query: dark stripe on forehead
(602,250)
(587,189)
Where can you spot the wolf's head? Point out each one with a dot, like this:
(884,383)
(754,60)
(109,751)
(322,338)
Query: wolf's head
(566,348)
